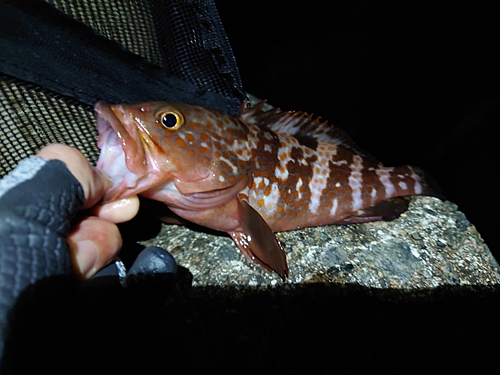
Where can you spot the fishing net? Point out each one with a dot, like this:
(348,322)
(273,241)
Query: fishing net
(59,57)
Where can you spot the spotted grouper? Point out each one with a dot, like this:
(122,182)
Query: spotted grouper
(248,175)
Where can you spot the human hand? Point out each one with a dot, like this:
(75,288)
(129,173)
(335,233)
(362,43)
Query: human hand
(95,240)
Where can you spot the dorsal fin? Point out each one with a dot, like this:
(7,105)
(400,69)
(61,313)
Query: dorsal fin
(297,124)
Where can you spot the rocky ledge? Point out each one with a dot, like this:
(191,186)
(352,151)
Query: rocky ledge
(431,245)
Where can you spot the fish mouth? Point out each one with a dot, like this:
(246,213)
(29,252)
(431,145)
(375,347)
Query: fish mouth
(122,154)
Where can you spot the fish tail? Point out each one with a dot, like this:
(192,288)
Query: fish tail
(379,193)
(406,181)
(429,184)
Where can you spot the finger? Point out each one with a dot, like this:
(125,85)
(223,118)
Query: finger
(94,182)
(118,211)
(93,244)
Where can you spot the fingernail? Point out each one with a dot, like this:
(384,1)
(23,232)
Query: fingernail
(87,255)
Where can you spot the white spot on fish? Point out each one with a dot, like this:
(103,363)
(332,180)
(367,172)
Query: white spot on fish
(317,184)
(279,174)
(403,185)
(271,201)
(384,175)
(355,181)
(416,178)
(337,185)
(298,186)
(234,168)
(335,205)
(268,136)
(339,162)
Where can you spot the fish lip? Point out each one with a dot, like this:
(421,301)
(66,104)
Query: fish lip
(113,134)
(103,124)
(108,120)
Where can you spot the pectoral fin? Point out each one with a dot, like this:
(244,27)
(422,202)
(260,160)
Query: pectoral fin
(257,241)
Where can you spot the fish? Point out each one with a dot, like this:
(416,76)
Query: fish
(249,175)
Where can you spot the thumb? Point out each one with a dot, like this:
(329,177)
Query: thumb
(94,182)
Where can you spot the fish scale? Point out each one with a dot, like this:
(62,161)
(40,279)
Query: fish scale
(248,175)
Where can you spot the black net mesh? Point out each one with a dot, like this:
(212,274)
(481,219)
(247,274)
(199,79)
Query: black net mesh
(32,117)
(59,57)
(190,21)
(129,23)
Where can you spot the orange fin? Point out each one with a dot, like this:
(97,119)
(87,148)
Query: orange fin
(257,241)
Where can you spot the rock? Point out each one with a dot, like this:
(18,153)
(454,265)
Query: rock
(430,245)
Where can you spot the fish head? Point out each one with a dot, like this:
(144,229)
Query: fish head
(147,147)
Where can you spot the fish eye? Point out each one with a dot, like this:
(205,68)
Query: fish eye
(171,120)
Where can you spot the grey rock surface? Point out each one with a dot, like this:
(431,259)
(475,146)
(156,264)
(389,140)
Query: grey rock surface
(430,245)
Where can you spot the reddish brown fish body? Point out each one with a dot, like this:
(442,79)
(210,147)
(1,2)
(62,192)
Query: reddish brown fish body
(247,175)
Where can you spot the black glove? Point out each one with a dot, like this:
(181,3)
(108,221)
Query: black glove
(38,202)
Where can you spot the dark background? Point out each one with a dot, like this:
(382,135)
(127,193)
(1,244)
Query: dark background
(411,82)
